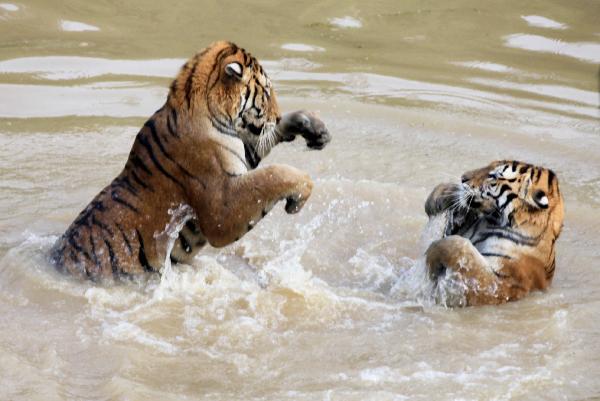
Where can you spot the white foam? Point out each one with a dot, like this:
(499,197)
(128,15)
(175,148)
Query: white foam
(9,7)
(75,26)
(543,22)
(126,331)
(301,47)
(345,22)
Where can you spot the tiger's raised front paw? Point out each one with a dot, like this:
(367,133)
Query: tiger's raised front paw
(295,202)
(443,197)
(306,124)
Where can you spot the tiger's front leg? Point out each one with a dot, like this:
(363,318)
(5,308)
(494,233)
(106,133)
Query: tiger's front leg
(455,253)
(305,124)
(243,200)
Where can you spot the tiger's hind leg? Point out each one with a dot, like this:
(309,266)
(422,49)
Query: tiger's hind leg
(480,282)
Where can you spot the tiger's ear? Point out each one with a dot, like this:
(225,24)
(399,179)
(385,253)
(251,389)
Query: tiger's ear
(234,70)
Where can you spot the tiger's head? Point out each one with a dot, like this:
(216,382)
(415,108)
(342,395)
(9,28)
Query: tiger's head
(227,85)
(515,194)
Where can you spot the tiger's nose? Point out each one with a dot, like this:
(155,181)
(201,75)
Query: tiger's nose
(278,119)
(464,178)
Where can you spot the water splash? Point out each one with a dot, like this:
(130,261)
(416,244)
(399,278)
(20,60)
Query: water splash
(166,239)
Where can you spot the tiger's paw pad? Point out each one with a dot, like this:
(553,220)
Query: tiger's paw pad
(294,203)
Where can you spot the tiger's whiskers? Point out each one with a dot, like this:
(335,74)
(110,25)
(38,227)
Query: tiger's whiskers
(267,139)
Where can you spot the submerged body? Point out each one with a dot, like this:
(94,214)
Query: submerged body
(502,225)
(197,153)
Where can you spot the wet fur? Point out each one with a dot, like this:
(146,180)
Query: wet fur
(501,247)
(201,150)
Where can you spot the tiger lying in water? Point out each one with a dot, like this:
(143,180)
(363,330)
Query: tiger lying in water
(200,150)
(502,225)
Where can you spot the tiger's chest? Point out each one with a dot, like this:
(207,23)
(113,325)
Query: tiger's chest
(231,155)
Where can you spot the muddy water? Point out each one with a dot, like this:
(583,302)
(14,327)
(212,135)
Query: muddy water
(330,304)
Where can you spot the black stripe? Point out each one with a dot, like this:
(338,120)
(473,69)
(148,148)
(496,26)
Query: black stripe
(159,166)
(503,188)
(498,255)
(150,124)
(509,198)
(78,247)
(139,163)
(115,197)
(95,257)
(514,165)
(83,218)
(140,182)
(125,184)
(114,263)
(185,244)
(233,152)
(507,235)
(551,177)
(246,96)
(538,174)
(127,243)
(173,259)
(172,127)
(222,127)
(550,270)
(251,156)
(254,97)
(102,226)
(142,254)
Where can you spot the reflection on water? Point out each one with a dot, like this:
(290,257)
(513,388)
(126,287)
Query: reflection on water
(332,303)
(585,51)
(543,22)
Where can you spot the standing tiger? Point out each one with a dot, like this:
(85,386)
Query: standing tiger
(199,151)
(502,225)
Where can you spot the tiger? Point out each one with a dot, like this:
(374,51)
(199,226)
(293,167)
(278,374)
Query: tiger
(200,152)
(499,241)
